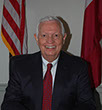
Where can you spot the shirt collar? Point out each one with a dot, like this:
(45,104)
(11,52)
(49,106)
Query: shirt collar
(45,62)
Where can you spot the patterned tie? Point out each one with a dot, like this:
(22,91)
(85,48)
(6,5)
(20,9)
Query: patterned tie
(47,89)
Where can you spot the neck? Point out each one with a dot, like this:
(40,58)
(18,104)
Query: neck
(50,58)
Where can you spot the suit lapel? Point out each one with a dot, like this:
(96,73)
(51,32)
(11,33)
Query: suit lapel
(59,82)
(58,87)
(37,81)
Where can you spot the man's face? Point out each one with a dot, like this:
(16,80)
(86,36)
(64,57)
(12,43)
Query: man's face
(50,39)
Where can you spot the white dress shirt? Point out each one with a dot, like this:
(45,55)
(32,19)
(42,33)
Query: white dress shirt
(53,69)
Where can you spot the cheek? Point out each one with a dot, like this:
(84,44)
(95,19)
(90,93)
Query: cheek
(59,43)
(40,42)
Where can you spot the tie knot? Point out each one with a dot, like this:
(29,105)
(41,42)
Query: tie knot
(49,66)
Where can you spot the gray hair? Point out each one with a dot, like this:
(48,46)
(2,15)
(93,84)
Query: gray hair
(50,18)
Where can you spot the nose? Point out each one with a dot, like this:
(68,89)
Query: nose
(50,39)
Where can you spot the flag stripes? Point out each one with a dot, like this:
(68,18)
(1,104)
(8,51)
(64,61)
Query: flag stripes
(13,28)
(9,19)
(6,40)
(16,6)
(15,16)
(12,35)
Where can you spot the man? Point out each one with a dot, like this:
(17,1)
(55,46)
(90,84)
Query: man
(67,86)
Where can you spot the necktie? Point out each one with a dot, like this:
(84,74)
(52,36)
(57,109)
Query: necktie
(47,89)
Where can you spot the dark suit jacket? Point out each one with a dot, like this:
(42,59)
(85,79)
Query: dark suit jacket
(25,88)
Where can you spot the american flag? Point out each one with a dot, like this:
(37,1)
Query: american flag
(13,28)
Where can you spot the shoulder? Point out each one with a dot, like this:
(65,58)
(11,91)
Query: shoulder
(24,59)
(23,63)
(72,61)
(74,66)
(25,56)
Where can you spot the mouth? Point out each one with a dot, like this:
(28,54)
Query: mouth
(50,47)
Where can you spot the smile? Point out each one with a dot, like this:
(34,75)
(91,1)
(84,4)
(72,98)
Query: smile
(50,47)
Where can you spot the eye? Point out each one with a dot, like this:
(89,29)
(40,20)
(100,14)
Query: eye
(43,35)
(56,35)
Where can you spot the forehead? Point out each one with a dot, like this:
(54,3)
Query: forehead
(50,25)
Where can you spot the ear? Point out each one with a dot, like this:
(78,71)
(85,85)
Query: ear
(36,38)
(64,37)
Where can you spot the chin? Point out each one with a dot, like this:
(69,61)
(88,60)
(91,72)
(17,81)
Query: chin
(50,53)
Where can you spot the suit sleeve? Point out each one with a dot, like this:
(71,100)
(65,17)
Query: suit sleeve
(85,99)
(13,97)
